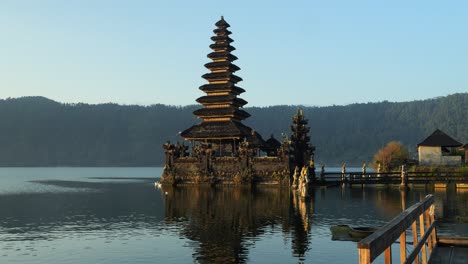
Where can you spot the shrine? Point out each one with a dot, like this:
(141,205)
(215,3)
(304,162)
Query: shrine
(223,150)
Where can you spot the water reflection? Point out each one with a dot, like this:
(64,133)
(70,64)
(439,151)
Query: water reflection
(127,220)
(227,221)
(224,223)
(96,206)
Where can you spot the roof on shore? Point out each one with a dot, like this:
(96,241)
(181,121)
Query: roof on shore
(439,138)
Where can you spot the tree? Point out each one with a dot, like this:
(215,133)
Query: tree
(36,131)
(391,156)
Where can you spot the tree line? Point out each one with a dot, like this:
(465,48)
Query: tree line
(36,131)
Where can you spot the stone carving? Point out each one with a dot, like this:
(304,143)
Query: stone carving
(304,182)
(295,178)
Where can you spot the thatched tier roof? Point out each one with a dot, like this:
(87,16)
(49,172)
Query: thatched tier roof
(222,46)
(221,112)
(439,139)
(223,130)
(272,143)
(219,39)
(222,55)
(222,99)
(222,87)
(222,32)
(222,23)
(220,65)
(222,76)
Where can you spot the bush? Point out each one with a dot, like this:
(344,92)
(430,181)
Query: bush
(391,156)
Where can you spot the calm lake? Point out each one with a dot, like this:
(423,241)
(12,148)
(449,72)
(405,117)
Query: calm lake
(115,215)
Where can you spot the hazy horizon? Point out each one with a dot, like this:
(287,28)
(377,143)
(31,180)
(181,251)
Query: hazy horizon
(247,106)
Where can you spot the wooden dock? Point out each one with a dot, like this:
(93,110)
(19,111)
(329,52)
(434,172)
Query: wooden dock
(417,222)
(396,178)
(450,251)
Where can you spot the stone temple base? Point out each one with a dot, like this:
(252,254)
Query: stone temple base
(227,170)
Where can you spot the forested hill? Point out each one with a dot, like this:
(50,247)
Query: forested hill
(35,131)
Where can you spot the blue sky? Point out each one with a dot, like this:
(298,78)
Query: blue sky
(290,52)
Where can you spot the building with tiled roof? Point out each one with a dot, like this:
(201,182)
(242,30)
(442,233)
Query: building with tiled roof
(437,150)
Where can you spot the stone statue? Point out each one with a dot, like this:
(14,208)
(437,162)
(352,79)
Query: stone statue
(343,171)
(364,169)
(304,182)
(295,178)
(301,179)
(322,173)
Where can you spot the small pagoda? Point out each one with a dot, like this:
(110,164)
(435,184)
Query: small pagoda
(221,114)
(302,150)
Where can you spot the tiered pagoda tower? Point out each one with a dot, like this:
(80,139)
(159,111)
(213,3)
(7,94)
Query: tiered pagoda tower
(221,114)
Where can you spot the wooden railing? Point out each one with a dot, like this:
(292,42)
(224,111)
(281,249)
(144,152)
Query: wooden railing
(381,241)
(394,178)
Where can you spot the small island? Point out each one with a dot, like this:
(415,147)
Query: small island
(222,149)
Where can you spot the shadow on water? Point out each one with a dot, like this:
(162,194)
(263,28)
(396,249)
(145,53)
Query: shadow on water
(227,221)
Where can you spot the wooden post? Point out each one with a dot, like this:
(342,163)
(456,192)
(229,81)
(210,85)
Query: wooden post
(422,231)
(403,247)
(428,224)
(388,255)
(364,256)
(414,229)
(433,233)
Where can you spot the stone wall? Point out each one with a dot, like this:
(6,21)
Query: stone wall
(227,170)
(271,169)
(432,156)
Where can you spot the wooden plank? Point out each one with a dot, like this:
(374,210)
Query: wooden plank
(459,255)
(453,241)
(441,255)
(384,237)
(449,255)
